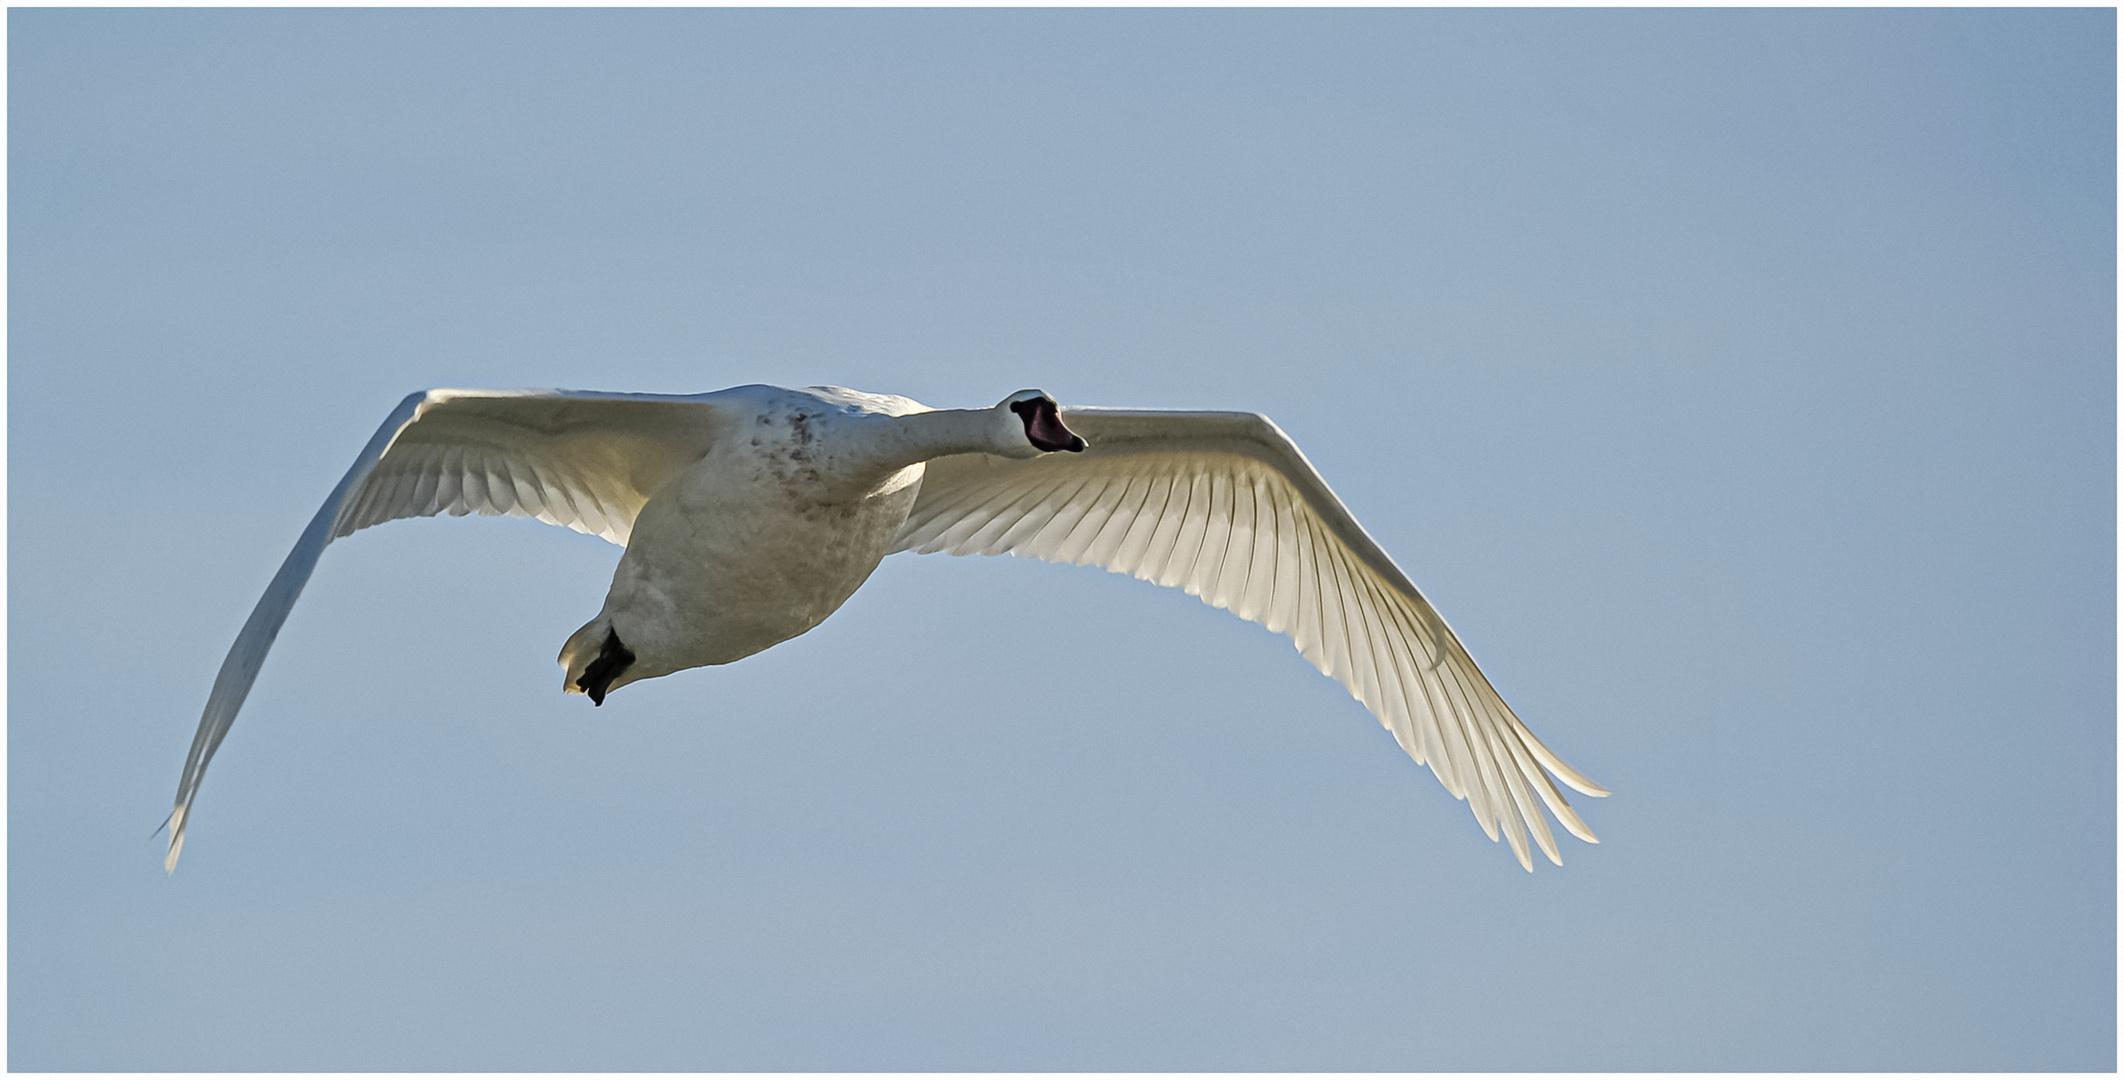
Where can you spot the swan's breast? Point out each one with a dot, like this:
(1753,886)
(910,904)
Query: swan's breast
(760,541)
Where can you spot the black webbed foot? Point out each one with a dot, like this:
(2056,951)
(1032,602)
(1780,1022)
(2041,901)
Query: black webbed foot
(612,659)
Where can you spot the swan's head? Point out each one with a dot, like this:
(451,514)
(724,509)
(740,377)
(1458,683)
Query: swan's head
(1030,424)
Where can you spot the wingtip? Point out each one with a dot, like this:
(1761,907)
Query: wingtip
(176,825)
(1575,779)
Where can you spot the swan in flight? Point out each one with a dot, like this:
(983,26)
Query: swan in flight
(749,515)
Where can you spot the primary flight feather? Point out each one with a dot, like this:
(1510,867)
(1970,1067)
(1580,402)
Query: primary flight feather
(751,514)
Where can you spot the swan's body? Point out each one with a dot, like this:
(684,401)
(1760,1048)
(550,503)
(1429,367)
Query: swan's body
(772,531)
(751,514)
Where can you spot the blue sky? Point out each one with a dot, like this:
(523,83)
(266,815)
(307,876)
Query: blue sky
(1740,384)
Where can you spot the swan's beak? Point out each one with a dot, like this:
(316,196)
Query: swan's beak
(1043,427)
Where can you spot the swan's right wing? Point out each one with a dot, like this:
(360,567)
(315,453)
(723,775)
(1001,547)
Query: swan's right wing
(1224,506)
(574,458)
(584,460)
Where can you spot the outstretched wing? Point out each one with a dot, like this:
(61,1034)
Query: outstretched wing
(575,458)
(1224,506)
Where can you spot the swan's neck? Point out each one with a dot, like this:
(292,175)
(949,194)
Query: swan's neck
(922,436)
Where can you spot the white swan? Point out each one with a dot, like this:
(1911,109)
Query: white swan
(750,514)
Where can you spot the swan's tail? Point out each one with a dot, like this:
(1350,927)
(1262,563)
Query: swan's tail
(581,651)
(596,675)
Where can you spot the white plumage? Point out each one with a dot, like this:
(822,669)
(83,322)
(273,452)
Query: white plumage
(749,515)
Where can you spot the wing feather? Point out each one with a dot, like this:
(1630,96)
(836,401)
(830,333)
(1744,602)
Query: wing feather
(1120,518)
(1283,605)
(1216,533)
(1061,509)
(1424,710)
(1011,516)
(501,493)
(1242,560)
(1187,543)
(1131,557)
(1158,552)
(422,502)
(1305,634)
(1073,529)
(1392,708)
(1225,508)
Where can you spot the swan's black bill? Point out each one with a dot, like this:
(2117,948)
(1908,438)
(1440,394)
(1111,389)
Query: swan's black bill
(1043,426)
(612,659)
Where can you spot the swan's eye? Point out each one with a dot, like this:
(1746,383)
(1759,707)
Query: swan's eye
(1043,425)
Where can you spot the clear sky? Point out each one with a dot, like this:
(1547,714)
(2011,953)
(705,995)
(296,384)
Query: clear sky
(1741,385)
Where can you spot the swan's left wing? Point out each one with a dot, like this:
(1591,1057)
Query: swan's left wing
(581,459)
(1224,506)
